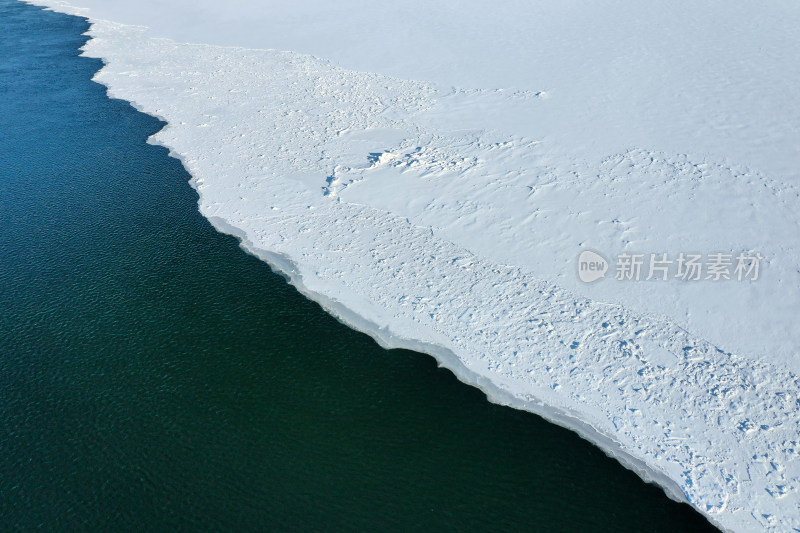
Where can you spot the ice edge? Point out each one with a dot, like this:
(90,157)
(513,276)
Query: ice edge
(284,266)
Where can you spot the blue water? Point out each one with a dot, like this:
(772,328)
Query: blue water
(154,377)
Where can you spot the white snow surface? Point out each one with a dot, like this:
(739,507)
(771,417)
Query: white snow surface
(430,171)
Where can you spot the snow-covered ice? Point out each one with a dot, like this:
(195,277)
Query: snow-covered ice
(430,174)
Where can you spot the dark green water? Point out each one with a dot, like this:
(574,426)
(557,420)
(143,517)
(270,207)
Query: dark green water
(155,377)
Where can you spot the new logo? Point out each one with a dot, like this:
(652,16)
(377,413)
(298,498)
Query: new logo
(591,266)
